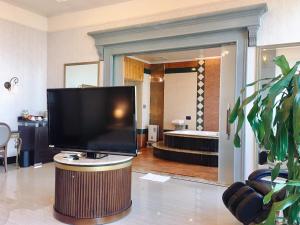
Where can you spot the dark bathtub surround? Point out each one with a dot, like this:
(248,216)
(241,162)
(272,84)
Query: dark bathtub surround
(195,149)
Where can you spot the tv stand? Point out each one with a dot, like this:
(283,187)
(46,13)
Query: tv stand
(92,191)
(95,155)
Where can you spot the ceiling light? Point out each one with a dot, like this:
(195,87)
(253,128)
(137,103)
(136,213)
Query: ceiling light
(224,53)
(265,58)
(60,1)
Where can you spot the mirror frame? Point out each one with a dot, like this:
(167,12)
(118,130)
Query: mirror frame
(82,63)
(261,48)
(258,70)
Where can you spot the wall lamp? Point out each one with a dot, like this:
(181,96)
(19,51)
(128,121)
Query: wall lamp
(9,84)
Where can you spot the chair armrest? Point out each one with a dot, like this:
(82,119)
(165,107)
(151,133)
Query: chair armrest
(259,174)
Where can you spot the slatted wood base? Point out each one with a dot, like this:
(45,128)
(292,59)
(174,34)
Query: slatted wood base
(102,196)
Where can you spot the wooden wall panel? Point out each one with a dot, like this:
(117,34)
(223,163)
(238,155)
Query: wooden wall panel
(212,94)
(147,66)
(157,97)
(133,70)
(181,64)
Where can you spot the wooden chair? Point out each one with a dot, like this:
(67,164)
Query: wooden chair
(5,133)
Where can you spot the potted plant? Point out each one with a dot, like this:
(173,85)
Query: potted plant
(275,121)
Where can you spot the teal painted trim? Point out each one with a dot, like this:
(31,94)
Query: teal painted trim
(237,18)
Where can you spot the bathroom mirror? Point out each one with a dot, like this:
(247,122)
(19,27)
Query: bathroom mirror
(84,74)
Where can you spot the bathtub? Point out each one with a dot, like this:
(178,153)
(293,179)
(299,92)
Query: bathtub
(194,133)
(189,146)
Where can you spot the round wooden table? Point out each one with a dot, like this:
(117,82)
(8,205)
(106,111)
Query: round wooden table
(92,191)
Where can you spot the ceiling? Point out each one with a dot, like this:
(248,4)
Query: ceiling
(177,56)
(57,7)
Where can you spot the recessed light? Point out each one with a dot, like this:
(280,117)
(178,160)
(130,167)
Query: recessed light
(60,1)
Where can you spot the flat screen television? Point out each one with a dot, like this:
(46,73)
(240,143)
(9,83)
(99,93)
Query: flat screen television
(99,120)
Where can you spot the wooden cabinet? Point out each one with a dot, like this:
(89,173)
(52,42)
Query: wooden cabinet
(35,142)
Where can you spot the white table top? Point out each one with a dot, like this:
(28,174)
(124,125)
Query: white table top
(64,158)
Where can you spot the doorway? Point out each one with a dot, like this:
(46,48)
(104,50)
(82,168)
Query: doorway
(236,26)
(187,94)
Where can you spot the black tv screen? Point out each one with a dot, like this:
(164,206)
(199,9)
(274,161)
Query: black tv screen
(93,119)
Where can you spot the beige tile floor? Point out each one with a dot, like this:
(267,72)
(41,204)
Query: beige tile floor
(26,198)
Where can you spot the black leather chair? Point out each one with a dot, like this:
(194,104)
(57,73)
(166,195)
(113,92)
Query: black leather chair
(245,200)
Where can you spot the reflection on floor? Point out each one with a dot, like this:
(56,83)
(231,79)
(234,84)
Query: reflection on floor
(146,162)
(26,198)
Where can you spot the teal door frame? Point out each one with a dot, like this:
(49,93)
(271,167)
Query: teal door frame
(237,26)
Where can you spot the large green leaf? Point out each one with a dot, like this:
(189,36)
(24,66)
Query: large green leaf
(260,131)
(270,83)
(293,183)
(249,99)
(254,121)
(279,206)
(253,112)
(235,110)
(241,118)
(271,80)
(267,118)
(287,202)
(271,218)
(237,141)
(296,84)
(283,64)
(285,110)
(280,85)
(271,145)
(277,188)
(290,163)
(275,171)
(283,143)
(296,119)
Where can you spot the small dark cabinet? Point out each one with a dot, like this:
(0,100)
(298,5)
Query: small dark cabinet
(35,147)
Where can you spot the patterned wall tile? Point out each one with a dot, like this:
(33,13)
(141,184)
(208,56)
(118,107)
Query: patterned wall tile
(200,94)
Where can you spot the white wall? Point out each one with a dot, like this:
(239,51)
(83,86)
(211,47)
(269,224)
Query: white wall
(74,45)
(70,46)
(250,164)
(23,53)
(146,101)
(180,98)
(281,23)
(140,11)
(142,101)
(229,169)
(21,16)
(68,40)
